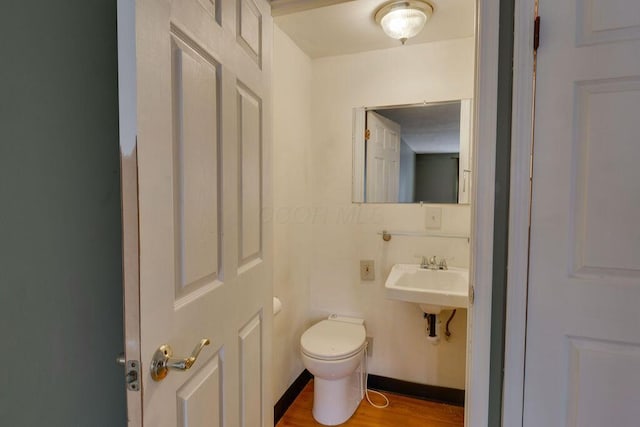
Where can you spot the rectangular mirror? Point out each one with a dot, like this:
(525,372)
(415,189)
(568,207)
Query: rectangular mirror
(412,153)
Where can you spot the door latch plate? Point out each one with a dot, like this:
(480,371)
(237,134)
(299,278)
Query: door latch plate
(132,375)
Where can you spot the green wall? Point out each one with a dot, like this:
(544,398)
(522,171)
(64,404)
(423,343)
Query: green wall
(60,243)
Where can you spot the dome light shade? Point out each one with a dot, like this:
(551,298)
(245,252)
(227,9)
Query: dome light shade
(403,19)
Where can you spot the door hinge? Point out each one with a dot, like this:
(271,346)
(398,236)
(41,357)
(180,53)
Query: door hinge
(367,134)
(131,372)
(530,166)
(536,33)
(472,294)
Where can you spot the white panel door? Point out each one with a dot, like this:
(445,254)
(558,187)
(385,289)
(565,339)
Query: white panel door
(201,77)
(383,159)
(583,332)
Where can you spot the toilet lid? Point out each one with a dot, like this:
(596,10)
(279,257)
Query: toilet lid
(330,339)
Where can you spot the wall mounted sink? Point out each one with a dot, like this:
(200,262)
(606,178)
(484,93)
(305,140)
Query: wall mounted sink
(433,290)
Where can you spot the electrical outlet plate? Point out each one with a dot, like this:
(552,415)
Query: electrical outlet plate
(433,218)
(367,270)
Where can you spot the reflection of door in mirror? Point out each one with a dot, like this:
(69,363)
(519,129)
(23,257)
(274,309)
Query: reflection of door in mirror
(383,159)
(413,153)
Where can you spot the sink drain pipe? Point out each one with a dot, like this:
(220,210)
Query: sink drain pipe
(432,328)
(432,322)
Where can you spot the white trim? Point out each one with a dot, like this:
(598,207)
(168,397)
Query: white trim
(519,214)
(482,205)
(464,180)
(127,100)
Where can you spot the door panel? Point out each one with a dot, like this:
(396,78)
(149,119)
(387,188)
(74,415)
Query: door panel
(250,146)
(583,340)
(200,398)
(196,145)
(250,338)
(605,153)
(250,29)
(600,21)
(603,382)
(383,159)
(203,168)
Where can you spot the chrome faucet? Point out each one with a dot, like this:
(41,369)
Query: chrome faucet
(424,264)
(432,263)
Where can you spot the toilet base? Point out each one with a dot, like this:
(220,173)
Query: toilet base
(335,401)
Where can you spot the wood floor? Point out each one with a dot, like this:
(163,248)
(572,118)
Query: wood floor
(402,412)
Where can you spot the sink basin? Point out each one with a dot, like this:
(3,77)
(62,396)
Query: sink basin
(433,290)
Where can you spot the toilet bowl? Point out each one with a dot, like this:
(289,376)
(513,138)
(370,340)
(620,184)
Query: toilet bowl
(333,351)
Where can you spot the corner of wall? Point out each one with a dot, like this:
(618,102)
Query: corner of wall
(292,204)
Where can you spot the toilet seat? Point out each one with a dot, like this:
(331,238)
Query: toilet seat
(333,340)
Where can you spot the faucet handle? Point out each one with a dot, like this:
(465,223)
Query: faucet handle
(423,261)
(443,264)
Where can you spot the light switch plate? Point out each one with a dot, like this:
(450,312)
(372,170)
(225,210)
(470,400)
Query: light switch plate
(367,271)
(433,218)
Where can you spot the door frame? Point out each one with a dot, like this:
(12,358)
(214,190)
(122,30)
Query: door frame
(127,101)
(523,98)
(519,212)
(482,214)
(484,151)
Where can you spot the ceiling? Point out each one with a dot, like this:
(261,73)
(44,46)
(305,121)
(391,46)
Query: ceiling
(349,27)
(433,128)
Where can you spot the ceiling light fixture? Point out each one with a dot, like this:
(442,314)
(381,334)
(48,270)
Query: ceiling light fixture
(403,19)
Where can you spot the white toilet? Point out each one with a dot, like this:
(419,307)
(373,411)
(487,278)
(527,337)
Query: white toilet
(333,351)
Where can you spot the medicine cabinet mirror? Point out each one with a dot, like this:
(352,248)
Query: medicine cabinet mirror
(412,153)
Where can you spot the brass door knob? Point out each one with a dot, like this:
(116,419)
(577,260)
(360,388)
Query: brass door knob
(163,360)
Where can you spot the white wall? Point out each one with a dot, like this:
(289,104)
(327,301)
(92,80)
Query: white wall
(292,232)
(344,233)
